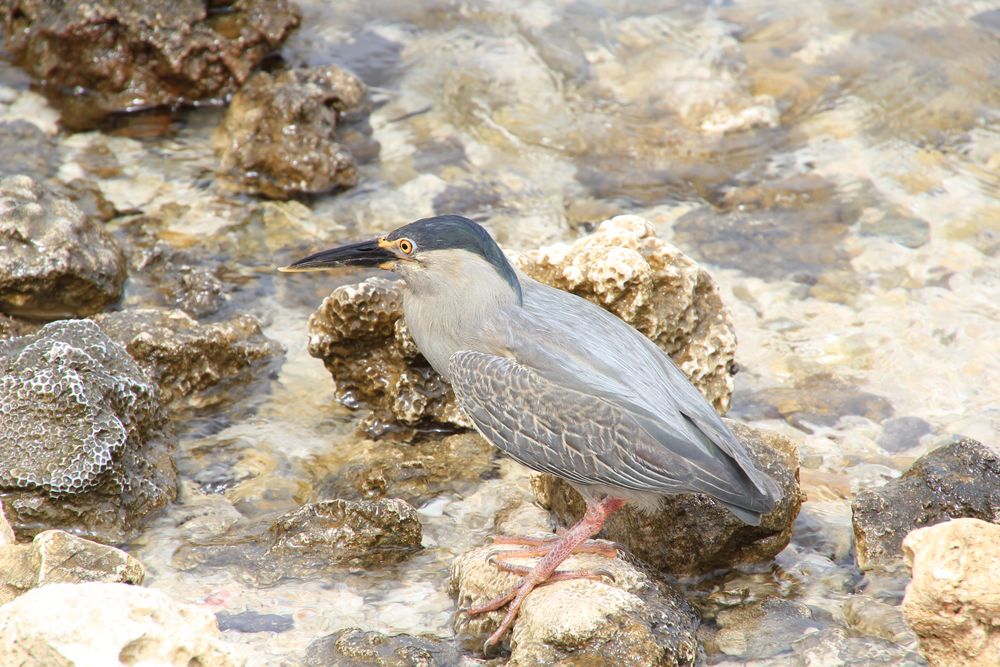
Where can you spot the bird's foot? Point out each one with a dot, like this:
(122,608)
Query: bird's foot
(513,598)
(542,546)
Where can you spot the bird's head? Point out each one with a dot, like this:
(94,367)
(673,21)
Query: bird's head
(428,254)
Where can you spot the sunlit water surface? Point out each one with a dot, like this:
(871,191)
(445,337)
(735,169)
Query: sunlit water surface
(834,165)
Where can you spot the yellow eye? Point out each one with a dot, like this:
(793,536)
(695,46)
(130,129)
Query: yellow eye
(406,245)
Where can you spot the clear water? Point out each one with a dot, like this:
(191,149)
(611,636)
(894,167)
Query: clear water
(836,166)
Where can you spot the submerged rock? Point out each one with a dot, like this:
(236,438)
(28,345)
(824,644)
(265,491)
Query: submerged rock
(953,601)
(55,556)
(354,647)
(109,624)
(761,630)
(958,480)
(318,538)
(692,533)
(194,365)
(56,261)
(625,619)
(360,335)
(278,136)
(84,443)
(415,472)
(178,281)
(122,55)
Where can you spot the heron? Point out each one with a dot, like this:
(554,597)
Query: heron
(558,384)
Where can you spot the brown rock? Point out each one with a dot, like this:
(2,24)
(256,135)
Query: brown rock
(278,137)
(57,262)
(953,601)
(55,556)
(354,647)
(692,533)
(127,55)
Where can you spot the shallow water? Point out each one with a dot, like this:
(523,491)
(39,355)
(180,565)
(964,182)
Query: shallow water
(836,166)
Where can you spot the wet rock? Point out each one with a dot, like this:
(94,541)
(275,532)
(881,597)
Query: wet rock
(252,621)
(317,539)
(84,444)
(12,326)
(56,262)
(278,137)
(902,433)
(874,618)
(762,629)
(836,646)
(656,288)
(958,480)
(626,619)
(55,556)
(109,624)
(360,335)
(27,151)
(194,365)
(906,231)
(361,533)
(692,533)
(953,601)
(414,472)
(179,281)
(121,56)
(820,399)
(354,647)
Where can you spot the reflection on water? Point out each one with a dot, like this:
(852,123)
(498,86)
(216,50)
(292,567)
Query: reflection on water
(835,165)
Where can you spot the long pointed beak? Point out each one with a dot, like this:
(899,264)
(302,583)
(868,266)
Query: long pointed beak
(366,253)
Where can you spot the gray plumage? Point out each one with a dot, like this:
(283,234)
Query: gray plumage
(558,383)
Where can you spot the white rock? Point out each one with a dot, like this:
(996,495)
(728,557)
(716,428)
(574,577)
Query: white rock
(109,624)
(6,532)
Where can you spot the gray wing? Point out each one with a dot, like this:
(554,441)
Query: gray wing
(591,439)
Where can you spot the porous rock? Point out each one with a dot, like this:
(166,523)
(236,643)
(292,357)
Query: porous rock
(360,335)
(761,630)
(56,262)
(693,533)
(625,619)
(278,136)
(84,443)
(178,280)
(194,365)
(953,600)
(415,472)
(354,647)
(122,55)
(961,479)
(55,556)
(65,625)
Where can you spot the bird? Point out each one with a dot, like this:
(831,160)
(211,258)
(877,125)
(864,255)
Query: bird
(558,384)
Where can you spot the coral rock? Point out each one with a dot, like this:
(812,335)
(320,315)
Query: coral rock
(953,601)
(84,444)
(56,262)
(354,647)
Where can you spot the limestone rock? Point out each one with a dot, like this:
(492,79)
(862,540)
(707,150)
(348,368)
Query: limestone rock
(84,443)
(179,280)
(958,480)
(6,532)
(415,472)
(122,55)
(763,629)
(361,337)
(56,261)
(194,365)
(353,647)
(69,625)
(953,601)
(692,533)
(624,620)
(58,557)
(278,137)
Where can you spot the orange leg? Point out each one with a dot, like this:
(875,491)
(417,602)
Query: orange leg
(559,550)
